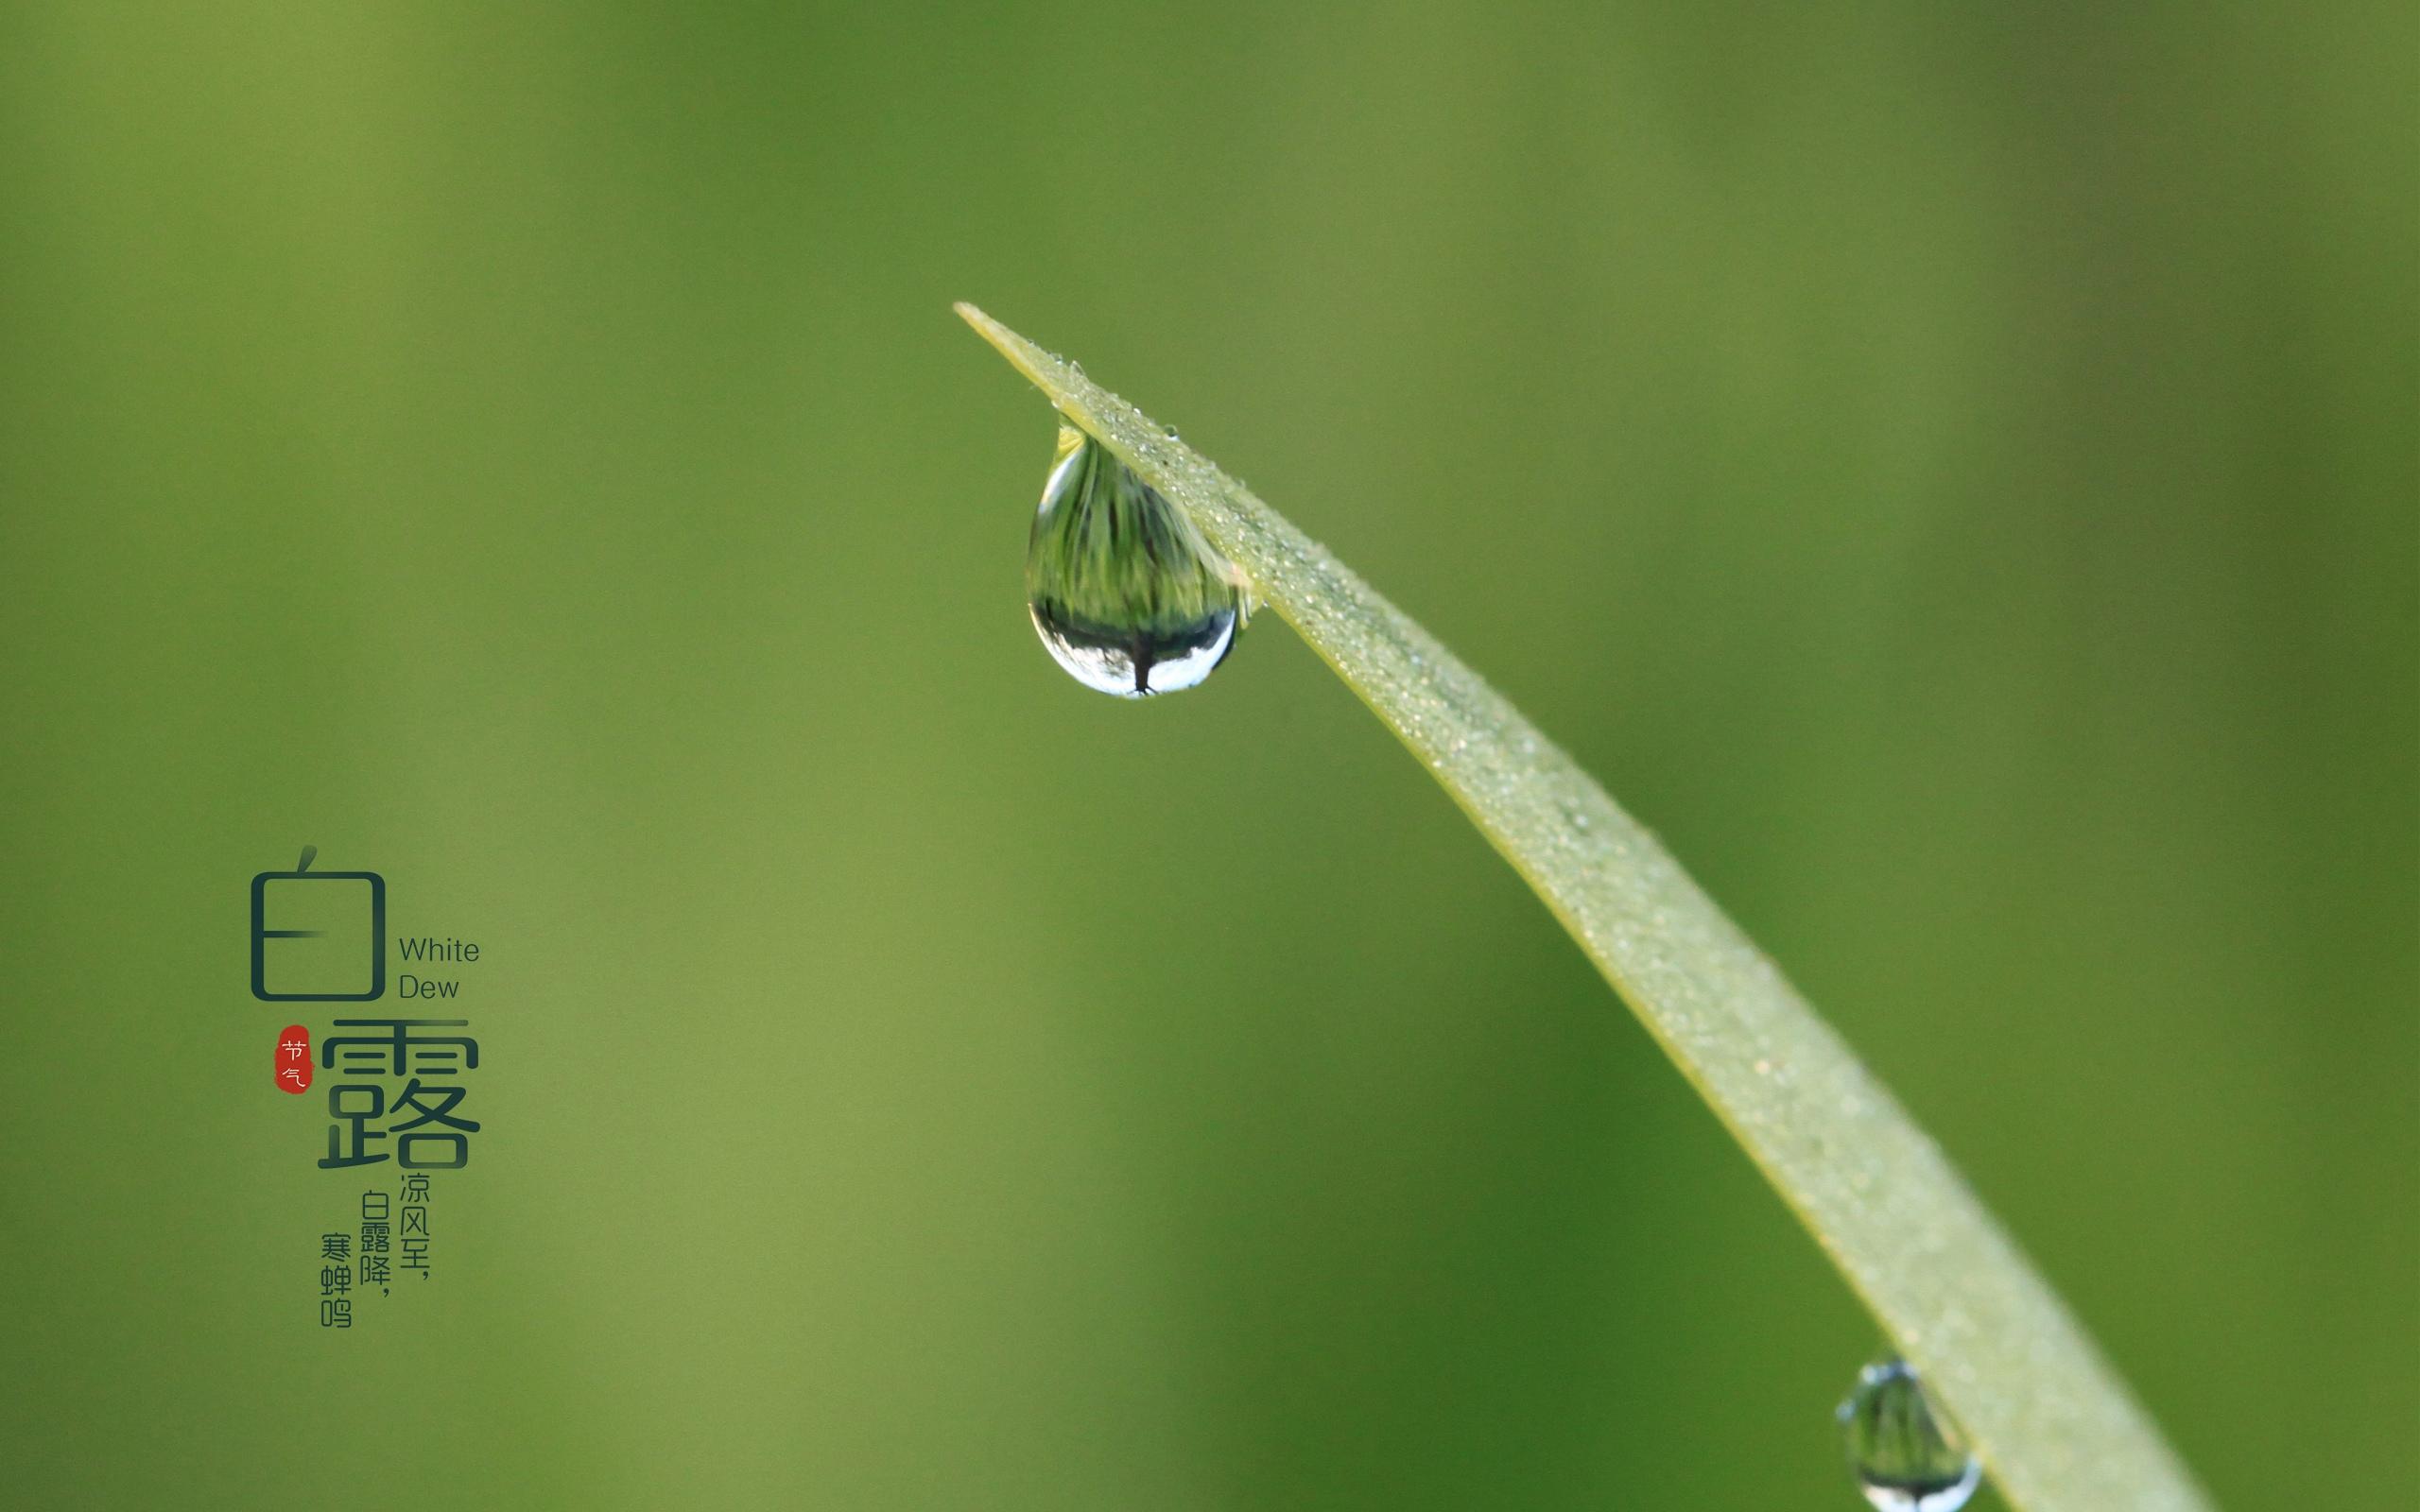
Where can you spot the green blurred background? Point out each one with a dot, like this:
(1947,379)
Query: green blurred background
(1950,469)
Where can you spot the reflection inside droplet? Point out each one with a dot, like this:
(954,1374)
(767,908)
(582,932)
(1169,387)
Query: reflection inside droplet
(1905,1459)
(1124,591)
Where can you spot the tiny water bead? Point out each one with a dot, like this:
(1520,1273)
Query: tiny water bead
(1906,1459)
(1125,593)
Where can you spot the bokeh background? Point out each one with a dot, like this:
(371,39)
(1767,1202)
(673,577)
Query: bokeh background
(1950,469)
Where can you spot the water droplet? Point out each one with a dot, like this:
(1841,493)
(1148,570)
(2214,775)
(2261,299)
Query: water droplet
(1906,1459)
(1126,595)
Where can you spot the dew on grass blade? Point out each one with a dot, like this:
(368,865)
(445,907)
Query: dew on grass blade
(1906,1459)
(1124,591)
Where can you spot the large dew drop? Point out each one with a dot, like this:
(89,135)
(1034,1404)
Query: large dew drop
(1125,593)
(1906,1459)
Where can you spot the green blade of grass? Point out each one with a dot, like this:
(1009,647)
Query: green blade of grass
(2052,1423)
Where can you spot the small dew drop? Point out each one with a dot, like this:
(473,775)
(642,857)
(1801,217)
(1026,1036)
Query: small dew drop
(1905,1458)
(1126,595)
